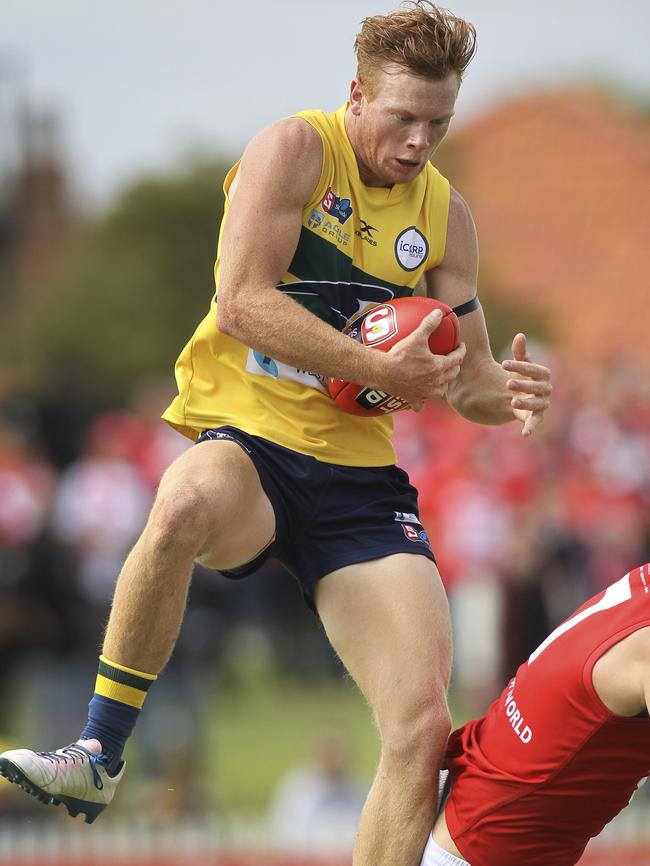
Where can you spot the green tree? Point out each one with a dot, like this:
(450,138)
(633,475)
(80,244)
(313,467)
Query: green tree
(137,282)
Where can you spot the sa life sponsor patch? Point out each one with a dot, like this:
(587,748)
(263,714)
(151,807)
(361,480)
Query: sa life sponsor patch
(335,206)
(414,534)
(411,248)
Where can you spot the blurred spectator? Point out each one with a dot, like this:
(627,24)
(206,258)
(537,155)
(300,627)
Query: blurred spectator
(317,805)
(101,505)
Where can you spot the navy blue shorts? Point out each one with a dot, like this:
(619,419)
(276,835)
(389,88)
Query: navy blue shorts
(328,516)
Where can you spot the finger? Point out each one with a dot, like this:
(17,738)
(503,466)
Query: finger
(429,323)
(417,406)
(529,386)
(519,352)
(534,404)
(456,356)
(523,368)
(533,420)
(449,374)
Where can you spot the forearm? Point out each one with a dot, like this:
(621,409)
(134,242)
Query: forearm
(273,323)
(480,394)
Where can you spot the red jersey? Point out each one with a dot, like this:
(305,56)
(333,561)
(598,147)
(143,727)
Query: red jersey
(549,765)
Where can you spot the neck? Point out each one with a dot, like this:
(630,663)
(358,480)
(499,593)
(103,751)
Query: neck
(350,122)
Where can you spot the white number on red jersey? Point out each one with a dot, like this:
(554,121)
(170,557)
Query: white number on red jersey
(614,595)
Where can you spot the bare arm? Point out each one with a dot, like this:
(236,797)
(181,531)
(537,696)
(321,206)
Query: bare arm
(278,174)
(483,390)
(621,677)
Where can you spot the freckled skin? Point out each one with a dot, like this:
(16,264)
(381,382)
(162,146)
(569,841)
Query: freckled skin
(396,122)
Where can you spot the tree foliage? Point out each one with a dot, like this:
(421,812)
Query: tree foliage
(134,287)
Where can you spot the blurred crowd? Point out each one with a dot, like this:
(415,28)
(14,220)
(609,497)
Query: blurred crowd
(524,530)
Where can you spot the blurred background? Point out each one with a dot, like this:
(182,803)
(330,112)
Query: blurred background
(117,125)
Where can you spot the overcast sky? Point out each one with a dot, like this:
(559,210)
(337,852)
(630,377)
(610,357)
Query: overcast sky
(138,82)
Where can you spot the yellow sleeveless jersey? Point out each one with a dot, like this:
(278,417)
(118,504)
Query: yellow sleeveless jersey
(358,246)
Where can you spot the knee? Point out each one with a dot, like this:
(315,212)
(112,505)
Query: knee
(416,735)
(182,516)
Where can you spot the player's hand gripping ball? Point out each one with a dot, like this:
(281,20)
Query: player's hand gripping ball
(381,327)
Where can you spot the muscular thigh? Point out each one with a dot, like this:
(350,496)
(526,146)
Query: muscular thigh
(388,620)
(221,488)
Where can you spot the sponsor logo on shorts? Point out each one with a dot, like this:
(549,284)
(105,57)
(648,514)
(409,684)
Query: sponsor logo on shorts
(411,248)
(407,517)
(341,208)
(411,532)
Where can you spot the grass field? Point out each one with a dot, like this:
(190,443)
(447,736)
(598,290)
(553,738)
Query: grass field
(266,724)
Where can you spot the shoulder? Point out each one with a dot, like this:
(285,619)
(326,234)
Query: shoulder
(460,220)
(291,138)
(288,152)
(461,247)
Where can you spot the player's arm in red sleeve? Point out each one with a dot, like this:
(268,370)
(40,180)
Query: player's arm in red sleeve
(277,177)
(484,391)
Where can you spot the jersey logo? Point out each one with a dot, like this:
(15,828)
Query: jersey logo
(365,232)
(314,219)
(407,517)
(341,208)
(514,716)
(411,248)
(263,365)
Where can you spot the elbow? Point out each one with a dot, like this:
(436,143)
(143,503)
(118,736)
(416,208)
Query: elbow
(228,318)
(224,319)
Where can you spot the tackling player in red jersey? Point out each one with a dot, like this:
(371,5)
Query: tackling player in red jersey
(562,750)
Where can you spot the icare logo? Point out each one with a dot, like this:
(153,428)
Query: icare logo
(411,248)
(378,325)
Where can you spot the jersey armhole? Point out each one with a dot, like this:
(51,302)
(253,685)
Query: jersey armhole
(327,164)
(439,217)
(598,653)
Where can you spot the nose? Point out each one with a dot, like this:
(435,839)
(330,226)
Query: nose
(419,137)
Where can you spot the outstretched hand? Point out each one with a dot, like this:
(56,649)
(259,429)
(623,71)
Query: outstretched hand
(532,386)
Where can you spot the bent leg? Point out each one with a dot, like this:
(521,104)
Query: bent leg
(210,506)
(388,620)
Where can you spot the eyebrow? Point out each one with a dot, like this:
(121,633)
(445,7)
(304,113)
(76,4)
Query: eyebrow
(406,113)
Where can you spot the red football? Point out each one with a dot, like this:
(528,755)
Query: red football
(381,327)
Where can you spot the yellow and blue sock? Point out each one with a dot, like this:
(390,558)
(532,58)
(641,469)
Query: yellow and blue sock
(115,706)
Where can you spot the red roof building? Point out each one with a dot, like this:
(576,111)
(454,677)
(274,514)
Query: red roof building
(559,186)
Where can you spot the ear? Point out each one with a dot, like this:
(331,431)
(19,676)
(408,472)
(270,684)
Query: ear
(356,96)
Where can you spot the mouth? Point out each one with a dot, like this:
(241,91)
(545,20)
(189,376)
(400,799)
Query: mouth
(407,163)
